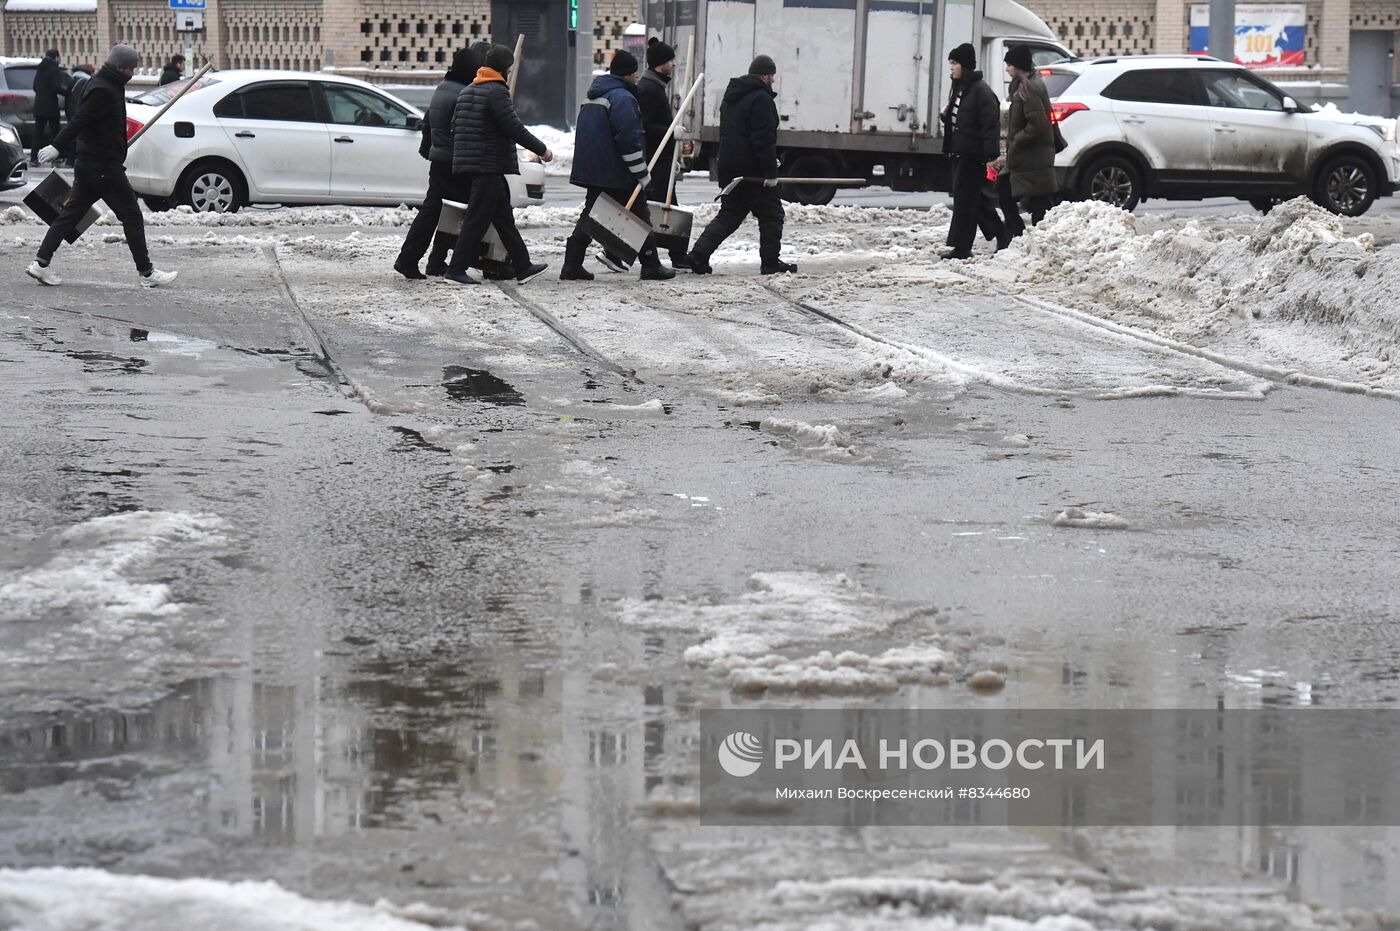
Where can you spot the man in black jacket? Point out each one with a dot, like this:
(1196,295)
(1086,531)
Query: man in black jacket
(98,130)
(654,96)
(485,131)
(972,136)
(173,71)
(50,80)
(748,148)
(437,127)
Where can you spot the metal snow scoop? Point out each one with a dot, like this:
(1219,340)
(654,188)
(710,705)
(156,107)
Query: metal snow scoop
(671,225)
(617,229)
(833,182)
(50,195)
(450,222)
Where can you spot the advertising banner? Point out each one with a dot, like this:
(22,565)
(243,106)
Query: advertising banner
(1267,35)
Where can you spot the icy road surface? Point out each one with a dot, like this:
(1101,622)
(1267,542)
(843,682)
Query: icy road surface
(331,600)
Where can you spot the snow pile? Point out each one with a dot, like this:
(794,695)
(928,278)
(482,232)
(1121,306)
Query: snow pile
(580,479)
(845,673)
(90,576)
(561,142)
(1017,902)
(60,899)
(1296,290)
(744,640)
(824,439)
(1091,520)
(374,217)
(13,215)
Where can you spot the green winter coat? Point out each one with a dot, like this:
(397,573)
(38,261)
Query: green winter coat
(1030,142)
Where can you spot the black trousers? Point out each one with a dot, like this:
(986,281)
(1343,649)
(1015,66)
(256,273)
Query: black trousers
(748,198)
(45,128)
(94,181)
(579,240)
(971,205)
(1036,206)
(660,184)
(488,205)
(442,185)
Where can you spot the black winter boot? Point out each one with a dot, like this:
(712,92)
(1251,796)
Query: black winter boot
(575,273)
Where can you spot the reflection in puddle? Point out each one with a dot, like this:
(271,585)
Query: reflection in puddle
(466,384)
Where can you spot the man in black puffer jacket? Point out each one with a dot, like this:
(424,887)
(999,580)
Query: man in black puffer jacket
(485,132)
(654,97)
(748,148)
(99,131)
(972,135)
(49,81)
(437,130)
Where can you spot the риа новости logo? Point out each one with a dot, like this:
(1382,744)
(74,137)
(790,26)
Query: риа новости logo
(741,754)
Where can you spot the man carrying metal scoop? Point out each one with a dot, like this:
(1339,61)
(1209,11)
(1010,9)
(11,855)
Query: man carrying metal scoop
(98,130)
(485,130)
(610,158)
(748,147)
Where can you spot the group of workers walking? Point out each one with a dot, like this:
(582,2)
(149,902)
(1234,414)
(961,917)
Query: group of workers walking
(471,132)
(623,127)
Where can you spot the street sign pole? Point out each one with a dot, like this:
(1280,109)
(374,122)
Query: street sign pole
(1222,29)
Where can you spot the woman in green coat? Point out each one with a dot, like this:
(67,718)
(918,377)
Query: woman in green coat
(1027,172)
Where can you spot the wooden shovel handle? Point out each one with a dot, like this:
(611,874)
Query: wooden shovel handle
(670,130)
(208,66)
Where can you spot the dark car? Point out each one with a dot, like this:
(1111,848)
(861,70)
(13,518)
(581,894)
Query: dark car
(14,161)
(17,94)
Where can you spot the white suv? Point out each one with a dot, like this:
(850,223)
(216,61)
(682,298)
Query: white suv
(1184,128)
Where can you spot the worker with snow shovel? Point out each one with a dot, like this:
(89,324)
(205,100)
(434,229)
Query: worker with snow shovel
(748,148)
(610,159)
(98,134)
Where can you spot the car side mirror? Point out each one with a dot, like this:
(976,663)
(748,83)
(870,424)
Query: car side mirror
(414,122)
(1290,105)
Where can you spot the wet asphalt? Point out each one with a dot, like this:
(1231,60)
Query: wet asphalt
(384,676)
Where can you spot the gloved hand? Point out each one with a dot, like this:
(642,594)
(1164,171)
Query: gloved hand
(48,154)
(770,182)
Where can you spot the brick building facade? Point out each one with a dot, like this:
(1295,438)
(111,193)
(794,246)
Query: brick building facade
(391,36)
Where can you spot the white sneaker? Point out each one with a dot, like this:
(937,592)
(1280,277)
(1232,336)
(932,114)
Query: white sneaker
(610,263)
(43,274)
(157,278)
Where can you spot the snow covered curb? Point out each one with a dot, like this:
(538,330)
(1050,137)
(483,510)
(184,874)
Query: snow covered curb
(1296,289)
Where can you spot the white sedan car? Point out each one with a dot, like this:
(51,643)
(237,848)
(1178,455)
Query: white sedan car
(286,137)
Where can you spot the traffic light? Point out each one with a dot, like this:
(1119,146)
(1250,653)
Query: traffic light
(573,14)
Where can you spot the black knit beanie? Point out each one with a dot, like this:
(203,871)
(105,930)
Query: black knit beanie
(763,65)
(500,59)
(1019,56)
(623,63)
(658,53)
(964,55)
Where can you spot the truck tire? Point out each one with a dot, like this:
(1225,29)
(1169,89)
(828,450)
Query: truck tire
(1346,185)
(809,165)
(1111,179)
(212,186)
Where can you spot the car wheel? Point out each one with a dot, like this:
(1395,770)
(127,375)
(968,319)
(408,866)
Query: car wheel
(1113,180)
(810,166)
(212,187)
(158,204)
(1346,185)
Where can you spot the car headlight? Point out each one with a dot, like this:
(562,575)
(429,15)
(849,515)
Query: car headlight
(8,134)
(1385,130)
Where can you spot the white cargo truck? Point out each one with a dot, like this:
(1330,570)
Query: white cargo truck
(860,82)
